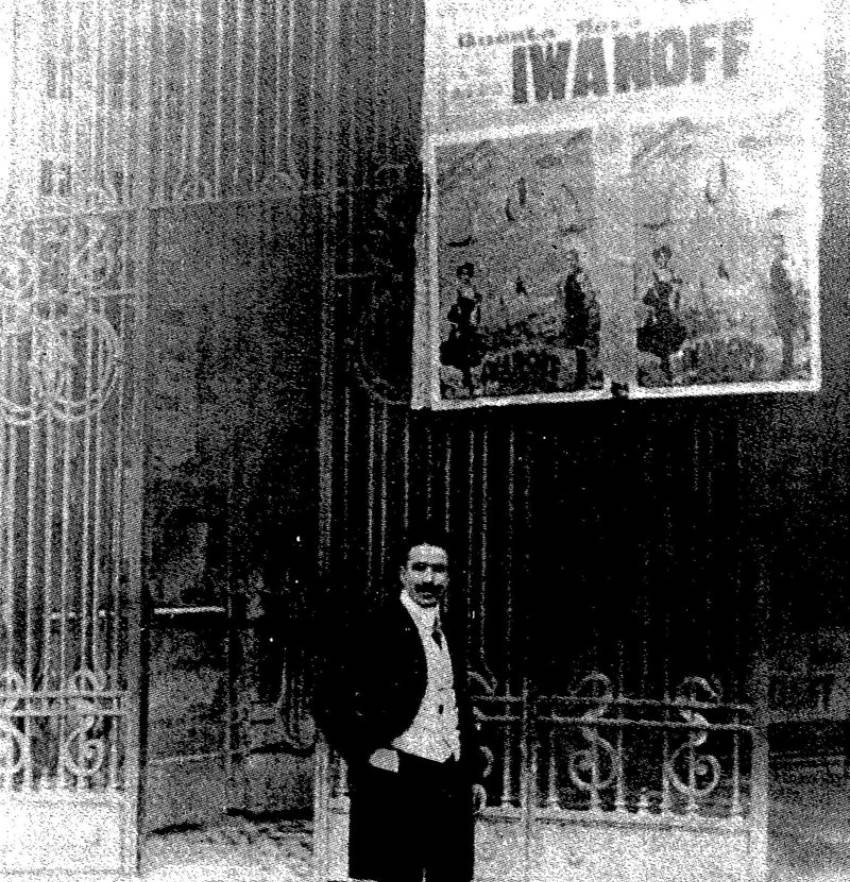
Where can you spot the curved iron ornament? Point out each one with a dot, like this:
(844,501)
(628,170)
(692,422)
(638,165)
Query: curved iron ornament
(482,683)
(65,356)
(701,772)
(594,767)
(14,747)
(83,751)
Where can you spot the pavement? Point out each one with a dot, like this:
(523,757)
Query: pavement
(809,829)
(238,849)
(809,841)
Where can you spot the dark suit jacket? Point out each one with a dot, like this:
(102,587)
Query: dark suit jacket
(373,680)
(368,692)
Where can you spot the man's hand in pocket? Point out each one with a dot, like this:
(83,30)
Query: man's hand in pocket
(385,758)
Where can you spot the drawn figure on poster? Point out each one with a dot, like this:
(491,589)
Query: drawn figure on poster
(662,331)
(581,317)
(464,347)
(784,303)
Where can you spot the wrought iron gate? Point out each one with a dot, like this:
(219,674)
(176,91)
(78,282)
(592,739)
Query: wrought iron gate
(72,309)
(124,125)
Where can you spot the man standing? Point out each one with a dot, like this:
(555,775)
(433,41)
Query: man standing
(392,701)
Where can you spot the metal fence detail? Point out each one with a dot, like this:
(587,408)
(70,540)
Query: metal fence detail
(601,751)
(668,783)
(72,286)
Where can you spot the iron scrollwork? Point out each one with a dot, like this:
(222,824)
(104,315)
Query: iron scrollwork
(694,774)
(83,751)
(594,767)
(69,348)
(14,751)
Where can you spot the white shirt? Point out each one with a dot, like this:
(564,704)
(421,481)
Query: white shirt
(433,734)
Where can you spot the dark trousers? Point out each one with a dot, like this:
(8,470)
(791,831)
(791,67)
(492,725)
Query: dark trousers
(412,824)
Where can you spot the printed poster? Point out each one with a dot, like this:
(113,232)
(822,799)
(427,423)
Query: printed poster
(621,200)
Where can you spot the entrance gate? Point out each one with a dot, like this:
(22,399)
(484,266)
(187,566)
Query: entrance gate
(126,126)
(72,306)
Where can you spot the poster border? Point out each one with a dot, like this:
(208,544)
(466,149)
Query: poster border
(629,112)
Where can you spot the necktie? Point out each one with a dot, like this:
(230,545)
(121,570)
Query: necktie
(437,634)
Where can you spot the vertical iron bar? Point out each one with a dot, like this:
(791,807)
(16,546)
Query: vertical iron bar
(345,519)
(162,74)
(484,521)
(619,771)
(65,590)
(354,145)
(126,186)
(132,464)
(310,175)
(735,809)
(322,795)
(510,506)
(10,510)
(278,61)
(47,571)
(370,493)
(692,781)
(29,658)
(552,801)
(197,86)
(527,770)
(759,689)
(595,803)
(219,98)
(383,443)
(118,487)
(391,116)
(666,771)
(507,743)
(237,100)
(429,471)
(329,354)
(107,62)
(98,497)
(290,88)
(377,92)
(405,490)
(186,29)
(471,474)
(93,49)
(255,104)
(87,552)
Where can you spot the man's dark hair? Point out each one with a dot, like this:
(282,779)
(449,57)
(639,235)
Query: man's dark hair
(426,533)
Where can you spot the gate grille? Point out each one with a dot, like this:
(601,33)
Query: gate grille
(72,283)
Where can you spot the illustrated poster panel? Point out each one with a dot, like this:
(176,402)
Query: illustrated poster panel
(723,264)
(518,314)
(621,201)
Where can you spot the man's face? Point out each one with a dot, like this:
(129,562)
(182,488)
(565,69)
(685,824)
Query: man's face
(425,576)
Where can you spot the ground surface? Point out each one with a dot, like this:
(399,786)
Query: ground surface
(809,841)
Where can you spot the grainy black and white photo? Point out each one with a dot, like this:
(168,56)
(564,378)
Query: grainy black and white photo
(424,440)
